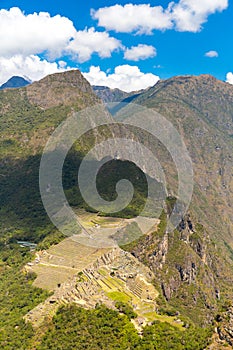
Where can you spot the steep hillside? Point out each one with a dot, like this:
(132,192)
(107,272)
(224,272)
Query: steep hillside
(193,265)
(201,108)
(109,95)
(28,116)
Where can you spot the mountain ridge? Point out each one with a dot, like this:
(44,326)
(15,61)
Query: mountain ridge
(201,108)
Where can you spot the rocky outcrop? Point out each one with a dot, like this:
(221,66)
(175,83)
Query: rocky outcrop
(224,327)
(61,89)
(187,266)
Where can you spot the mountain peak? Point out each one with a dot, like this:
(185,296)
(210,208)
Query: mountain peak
(193,78)
(15,82)
(59,88)
(72,78)
(184,85)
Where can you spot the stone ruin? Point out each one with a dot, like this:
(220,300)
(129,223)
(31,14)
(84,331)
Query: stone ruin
(88,287)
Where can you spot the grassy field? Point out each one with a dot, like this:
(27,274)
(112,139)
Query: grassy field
(48,277)
(119,296)
(62,261)
(152,316)
(91,220)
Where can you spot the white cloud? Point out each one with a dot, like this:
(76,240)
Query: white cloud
(140,52)
(133,18)
(229,78)
(186,15)
(127,78)
(38,33)
(189,15)
(26,37)
(31,66)
(88,41)
(33,33)
(211,54)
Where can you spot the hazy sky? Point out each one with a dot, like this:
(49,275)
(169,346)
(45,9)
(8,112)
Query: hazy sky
(129,45)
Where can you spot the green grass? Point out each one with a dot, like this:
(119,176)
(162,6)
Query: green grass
(119,296)
(152,316)
(63,261)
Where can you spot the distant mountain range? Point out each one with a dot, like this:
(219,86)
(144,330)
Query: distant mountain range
(109,95)
(105,93)
(15,82)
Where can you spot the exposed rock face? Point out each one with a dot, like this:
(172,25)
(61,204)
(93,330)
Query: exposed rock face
(223,330)
(158,256)
(187,267)
(188,274)
(61,89)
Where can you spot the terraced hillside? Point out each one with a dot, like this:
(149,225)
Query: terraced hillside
(111,276)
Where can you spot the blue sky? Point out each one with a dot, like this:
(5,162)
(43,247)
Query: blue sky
(129,46)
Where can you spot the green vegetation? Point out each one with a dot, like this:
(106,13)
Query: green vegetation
(141,241)
(109,175)
(102,328)
(51,239)
(22,214)
(17,297)
(170,203)
(126,309)
(190,268)
(162,336)
(167,311)
(119,296)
